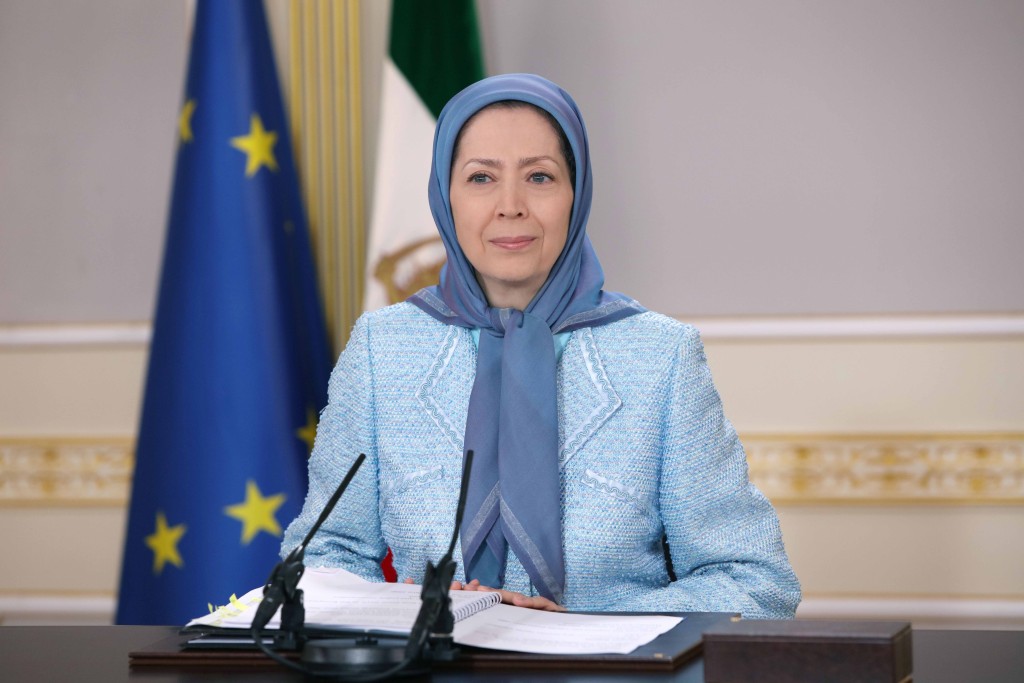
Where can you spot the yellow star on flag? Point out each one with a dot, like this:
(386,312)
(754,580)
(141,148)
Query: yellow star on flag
(258,146)
(256,513)
(164,543)
(185,121)
(308,432)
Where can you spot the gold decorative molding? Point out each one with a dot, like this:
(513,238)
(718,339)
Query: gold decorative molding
(60,471)
(884,469)
(789,469)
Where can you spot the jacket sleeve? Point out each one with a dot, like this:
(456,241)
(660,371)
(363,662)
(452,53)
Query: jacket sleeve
(723,534)
(351,537)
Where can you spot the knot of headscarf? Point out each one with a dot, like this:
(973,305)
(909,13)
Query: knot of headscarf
(514,498)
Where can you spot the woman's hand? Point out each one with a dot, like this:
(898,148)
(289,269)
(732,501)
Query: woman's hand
(517,599)
(508,597)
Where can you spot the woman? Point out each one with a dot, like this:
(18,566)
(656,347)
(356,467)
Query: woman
(597,431)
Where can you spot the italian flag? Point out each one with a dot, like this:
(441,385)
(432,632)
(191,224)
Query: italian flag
(434,52)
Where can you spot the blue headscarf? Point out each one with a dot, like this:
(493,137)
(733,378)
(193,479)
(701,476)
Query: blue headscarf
(512,424)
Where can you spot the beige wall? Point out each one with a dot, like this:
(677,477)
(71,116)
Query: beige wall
(936,562)
(944,555)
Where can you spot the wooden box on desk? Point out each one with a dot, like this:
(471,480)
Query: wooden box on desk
(805,651)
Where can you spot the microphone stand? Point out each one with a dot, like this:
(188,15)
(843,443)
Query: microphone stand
(282,587)
(435,620)
(363,660)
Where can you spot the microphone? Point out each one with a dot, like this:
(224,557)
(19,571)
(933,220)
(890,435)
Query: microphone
(435,617)
(367,659)
(363,661)
(282,585)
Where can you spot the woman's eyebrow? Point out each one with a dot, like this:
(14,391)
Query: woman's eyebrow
(490,163)
(528,161)
(497,163)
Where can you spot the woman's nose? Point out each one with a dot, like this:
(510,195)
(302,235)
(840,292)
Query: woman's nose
(511,202)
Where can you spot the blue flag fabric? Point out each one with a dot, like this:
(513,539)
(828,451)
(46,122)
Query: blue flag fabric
(239,360)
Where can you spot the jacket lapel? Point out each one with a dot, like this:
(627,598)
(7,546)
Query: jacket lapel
(586,397)
(442,396)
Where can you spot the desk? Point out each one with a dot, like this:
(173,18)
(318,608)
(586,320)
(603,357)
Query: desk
(100,653)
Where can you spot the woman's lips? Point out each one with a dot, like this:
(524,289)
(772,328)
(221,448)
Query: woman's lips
(513,243)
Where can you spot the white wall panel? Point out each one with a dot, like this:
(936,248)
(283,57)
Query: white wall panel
(793,157)
(88,115)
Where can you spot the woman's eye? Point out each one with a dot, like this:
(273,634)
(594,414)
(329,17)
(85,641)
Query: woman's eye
(479,178)
(539,177)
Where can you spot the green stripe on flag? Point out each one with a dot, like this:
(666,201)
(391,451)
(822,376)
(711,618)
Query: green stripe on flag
(436,46)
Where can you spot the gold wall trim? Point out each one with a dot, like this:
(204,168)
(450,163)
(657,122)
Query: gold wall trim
(948,469)
(888,468)
(66,471)
(325,108)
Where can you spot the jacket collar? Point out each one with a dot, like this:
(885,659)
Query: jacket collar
(586,397)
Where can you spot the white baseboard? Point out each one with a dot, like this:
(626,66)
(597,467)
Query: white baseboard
(923,612)
(57,610)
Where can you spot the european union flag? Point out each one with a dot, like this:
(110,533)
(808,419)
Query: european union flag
(239,360)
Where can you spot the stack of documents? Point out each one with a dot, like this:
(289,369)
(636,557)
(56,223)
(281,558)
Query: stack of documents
(338,600)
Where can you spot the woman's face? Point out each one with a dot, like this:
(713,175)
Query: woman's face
(511,199)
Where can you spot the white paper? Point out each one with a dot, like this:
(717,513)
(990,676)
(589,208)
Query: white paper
(505,627)
(335,598)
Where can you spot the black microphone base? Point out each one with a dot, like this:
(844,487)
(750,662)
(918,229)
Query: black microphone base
(360,656)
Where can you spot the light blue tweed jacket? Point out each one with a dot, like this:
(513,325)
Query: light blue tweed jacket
(645,451)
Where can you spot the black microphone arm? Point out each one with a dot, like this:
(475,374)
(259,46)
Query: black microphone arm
(435,618)
(281,589)
(365,660)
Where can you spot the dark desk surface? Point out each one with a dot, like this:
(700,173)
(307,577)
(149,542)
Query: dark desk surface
(100,653)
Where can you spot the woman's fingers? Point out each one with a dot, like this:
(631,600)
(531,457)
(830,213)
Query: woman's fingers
(507,597)
(520,600)
(535,602)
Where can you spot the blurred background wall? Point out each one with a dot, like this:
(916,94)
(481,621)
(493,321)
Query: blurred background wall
(832,192)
